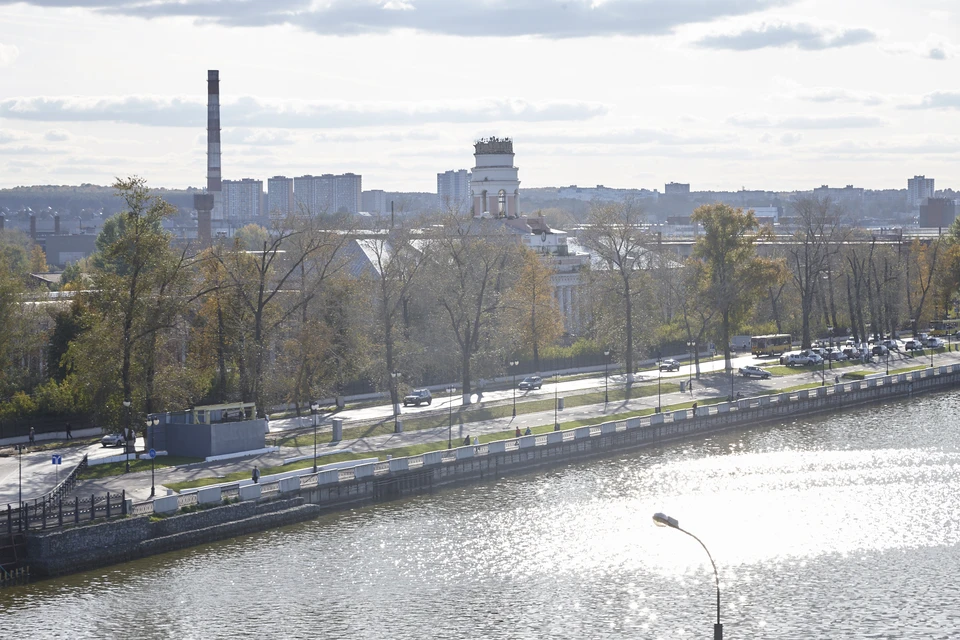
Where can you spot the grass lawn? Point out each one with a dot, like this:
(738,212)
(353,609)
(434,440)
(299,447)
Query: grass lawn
(118,468)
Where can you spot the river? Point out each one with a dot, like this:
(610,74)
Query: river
(844,526)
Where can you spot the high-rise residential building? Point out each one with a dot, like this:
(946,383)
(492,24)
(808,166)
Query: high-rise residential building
(327,193)
(453,190)
(919,188)
(495,187)
(373,201)
(348,193)
(676,189)
(280,203)
(241,198)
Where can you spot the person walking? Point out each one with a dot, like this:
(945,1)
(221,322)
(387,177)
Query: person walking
(466,441)
(33,436)
(516,433)
(256,474)
(69,432)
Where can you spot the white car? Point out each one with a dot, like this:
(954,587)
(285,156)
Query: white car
(113,440)
(935,343)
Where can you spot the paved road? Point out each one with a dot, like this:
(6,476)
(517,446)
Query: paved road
(592,383)
(38,473)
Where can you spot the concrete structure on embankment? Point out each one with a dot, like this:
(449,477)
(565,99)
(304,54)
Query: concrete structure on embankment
(294,499)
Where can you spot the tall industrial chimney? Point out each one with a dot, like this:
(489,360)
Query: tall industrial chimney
(213,131)
(208,203)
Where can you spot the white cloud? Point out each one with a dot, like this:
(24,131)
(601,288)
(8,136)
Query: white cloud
(290,114)
(544,18)
(830,94)
(806,122)
(8,54)
(937,100)
(934,47)
(57,135)
(801,35)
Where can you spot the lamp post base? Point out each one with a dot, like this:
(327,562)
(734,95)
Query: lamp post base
(718,632)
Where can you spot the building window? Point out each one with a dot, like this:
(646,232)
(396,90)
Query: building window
(502,203)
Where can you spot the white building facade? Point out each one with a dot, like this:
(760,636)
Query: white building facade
(280,196)
(453,190)
(495,186)
(242,198)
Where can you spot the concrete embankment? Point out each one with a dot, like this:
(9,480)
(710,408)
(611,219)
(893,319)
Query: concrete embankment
(294,499)
(81,548)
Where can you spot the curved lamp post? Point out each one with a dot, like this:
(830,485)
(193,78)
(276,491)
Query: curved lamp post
(556,402)
(692,346)
(153,421)
(663,520)
(314,407)
(513,365)
(659,376)
(830,353)
(450,390)
(395,375)
(606,361)
(126,434)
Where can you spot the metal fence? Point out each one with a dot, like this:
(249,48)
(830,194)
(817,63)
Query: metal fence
(45,514)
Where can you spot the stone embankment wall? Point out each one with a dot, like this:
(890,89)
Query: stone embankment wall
(294,499)
(97,545)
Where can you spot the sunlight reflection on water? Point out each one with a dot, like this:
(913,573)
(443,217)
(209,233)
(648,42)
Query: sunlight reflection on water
(839,527)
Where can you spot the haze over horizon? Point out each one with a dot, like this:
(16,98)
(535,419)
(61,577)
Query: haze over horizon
(763,94)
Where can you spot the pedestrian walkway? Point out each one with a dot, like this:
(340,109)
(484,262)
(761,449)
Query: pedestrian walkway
(710,386)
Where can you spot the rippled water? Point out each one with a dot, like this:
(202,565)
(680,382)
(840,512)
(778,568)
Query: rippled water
(840,527)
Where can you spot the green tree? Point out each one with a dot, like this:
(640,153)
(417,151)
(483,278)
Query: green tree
(733,274)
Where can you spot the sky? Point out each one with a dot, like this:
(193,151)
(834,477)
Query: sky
(722,94)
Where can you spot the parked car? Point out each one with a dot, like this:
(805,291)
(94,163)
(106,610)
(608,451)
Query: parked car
(801,359)
(892,345)
(530,382)
(113,440)
(750,371)
(815,358)
(418,397)
(669,365)
(913,345)
(879,350)
(851,352)
(935,343)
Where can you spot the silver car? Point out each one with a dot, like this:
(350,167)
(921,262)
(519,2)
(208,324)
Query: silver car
(113,440)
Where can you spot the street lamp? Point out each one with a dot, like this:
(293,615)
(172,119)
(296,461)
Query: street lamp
(153,421)
(823,371)
(659,376)
(395,375)
(606,360)
(556,401)
(663,520)
(692,345)
(888,360)
(20,486)
(126,435)
(314,407)
(830,353)
(513,365)
(450,390)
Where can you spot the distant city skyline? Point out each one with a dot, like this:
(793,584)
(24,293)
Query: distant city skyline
(777,95)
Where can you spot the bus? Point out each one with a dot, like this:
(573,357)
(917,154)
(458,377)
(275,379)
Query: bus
(774,344)
(945,328)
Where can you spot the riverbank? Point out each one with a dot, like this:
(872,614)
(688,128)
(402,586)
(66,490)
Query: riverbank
(56,552)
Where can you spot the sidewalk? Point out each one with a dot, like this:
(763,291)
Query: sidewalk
(710,386)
